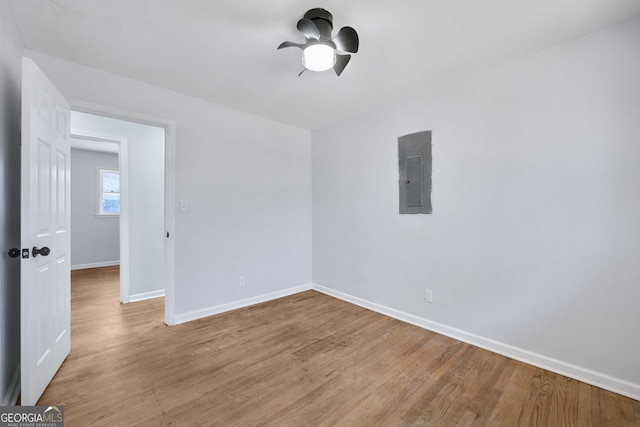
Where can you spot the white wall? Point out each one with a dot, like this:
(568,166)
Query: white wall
(145,153)
(534,241)
(10,81)
(95,240)
(246,181)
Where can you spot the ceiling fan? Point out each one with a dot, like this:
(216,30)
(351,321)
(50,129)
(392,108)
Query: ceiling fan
(321,52)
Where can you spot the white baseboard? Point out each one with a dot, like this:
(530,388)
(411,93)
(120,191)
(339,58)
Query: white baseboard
(210,311)
(597,379)
(146,295)
(11,396)
(95,265)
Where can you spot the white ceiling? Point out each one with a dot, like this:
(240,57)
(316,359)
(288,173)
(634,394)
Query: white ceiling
(225,51)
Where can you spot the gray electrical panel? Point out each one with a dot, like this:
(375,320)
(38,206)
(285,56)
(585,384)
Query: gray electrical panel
(414,155)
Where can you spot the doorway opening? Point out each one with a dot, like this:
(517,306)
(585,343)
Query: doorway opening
(100,203)
(133,215)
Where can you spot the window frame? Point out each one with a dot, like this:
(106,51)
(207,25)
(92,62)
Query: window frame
(101,193)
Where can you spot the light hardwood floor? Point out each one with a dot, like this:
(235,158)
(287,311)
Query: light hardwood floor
(303,360)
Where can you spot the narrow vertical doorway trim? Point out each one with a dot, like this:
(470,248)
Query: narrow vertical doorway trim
(169,187)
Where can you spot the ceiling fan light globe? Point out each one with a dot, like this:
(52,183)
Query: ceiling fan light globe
(318,57)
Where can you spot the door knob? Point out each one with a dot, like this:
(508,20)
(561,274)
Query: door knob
(44,251)
(14,253)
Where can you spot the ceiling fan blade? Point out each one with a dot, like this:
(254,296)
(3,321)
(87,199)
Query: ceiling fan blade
(308,28)
(290,44)
(341,62)
(347,40)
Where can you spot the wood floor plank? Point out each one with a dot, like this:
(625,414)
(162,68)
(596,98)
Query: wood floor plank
(627,415)
(401,392)
(304,360)
(612,409)
(347,379)
(390,378)
(598,407)
(584,405)
(509,408)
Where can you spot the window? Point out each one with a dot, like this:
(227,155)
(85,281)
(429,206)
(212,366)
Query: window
(109,192)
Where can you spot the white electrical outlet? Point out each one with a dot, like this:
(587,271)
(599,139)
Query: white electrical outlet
(428,295)
(241,281)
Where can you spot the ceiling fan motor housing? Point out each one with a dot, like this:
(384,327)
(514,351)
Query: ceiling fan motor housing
(323,20)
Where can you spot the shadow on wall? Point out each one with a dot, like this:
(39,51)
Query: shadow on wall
(9,237)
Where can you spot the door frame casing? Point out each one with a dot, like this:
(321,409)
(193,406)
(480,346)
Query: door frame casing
(169,186)
(123,164)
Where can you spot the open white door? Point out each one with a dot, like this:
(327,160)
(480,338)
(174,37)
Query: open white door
(45,301)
